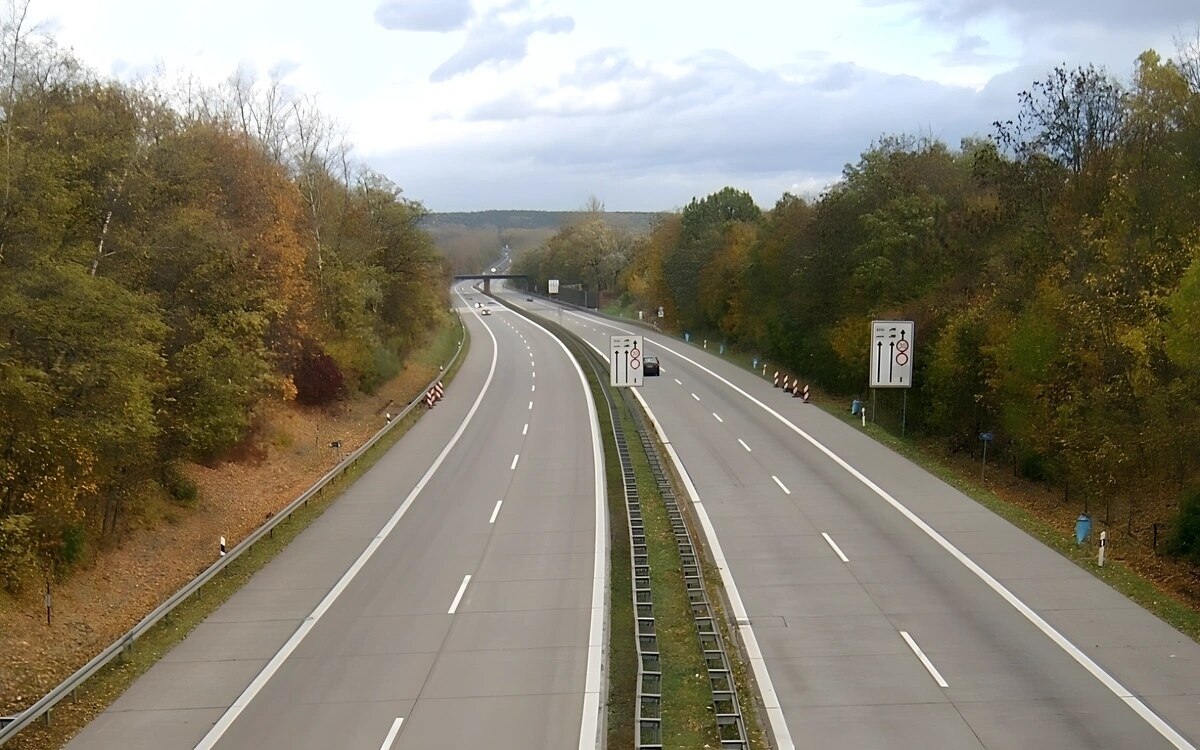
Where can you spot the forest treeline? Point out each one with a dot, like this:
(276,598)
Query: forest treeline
(1052,270)
(169,260)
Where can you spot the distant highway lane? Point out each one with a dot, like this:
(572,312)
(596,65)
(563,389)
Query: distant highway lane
(453,597)
(875,634)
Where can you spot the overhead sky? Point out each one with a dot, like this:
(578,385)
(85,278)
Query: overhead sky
(645,104)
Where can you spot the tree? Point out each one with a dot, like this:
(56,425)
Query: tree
(1073,116)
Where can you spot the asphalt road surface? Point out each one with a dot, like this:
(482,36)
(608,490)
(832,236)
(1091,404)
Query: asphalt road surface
(454,597)
(889,610)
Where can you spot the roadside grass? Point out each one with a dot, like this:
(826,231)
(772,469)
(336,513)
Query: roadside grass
(70,716)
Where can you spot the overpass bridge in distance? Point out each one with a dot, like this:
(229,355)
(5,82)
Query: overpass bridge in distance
(487,278)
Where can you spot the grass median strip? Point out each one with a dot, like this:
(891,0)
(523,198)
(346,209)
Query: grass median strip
(688,720)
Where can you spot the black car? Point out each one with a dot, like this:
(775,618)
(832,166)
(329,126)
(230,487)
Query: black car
(650,366)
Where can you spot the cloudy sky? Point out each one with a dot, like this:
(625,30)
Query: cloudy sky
(476,104)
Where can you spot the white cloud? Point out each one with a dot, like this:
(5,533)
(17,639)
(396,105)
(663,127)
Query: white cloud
(423,15)
(495,38)
(540,103)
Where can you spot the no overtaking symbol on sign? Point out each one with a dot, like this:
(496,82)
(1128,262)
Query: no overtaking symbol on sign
(891,353)
(625,361)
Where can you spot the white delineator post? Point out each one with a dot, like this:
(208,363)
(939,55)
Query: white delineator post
(222,547)
(1103,544)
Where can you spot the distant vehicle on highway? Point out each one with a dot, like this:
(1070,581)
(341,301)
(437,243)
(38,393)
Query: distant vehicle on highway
(485,311)
(529,299)
(650,365)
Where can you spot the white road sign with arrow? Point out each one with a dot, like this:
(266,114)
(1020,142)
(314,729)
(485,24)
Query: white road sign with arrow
(625,360)
(891,353)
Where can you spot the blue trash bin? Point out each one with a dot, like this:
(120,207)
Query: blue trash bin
(855,407)
(1083,526)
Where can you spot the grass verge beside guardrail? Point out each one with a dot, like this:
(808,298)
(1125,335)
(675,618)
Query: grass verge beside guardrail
(69,716)
(687,713)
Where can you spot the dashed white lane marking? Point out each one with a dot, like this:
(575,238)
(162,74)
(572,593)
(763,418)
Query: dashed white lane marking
(525,430)
(514,463)
(496,511)
(530,404)
(782,486)
(391,735)
(695,397)
(458,597)
(836,548)
(718,417)
(532,388)
(924,660)
(677,380)
(255,687)
(743,442)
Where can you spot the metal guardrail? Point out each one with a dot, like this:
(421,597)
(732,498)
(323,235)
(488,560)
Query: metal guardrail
(10,726)
(731,726)
(648,693)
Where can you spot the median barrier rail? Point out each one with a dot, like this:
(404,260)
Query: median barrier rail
(10,726)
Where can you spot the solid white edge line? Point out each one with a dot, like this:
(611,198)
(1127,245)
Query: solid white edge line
(391,735)
(242,701)
(937,676)
(590,737)
(743,442)
(496,511)
(836,548)
(462,589)
(1110,682)
(758,664)
(782,486)
(514,463)
(722,421)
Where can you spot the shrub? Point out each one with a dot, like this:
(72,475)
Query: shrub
(317,376)
(17,560)
(177,484)
(1185,531)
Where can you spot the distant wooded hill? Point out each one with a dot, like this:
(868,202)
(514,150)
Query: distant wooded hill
(472,240)
(633,220)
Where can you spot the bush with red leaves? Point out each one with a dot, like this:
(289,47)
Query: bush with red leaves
(317,376)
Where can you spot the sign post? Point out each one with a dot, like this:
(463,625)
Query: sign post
(625,361)
(986,437)
(892,359)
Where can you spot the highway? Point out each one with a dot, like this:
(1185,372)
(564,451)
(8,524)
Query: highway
(453,597)
(889,610)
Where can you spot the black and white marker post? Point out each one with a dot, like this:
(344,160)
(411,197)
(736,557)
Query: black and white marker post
(222,547)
